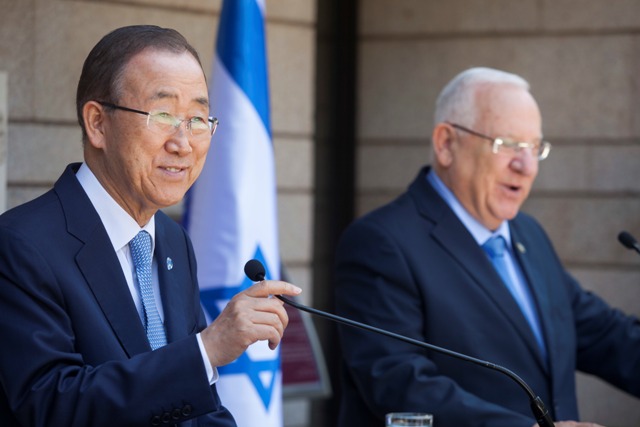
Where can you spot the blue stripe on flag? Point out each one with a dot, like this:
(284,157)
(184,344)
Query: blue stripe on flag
(238,176)
(243,53)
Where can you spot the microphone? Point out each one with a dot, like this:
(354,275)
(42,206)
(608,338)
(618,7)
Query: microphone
(256,272)
(628,241)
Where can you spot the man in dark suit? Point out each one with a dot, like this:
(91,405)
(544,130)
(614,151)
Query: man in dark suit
(453,262)
(93,277)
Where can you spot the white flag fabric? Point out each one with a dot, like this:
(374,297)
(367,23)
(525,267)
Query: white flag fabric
(231,213)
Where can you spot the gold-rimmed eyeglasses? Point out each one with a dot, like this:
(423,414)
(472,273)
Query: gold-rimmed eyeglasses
(165,123)
(540,149)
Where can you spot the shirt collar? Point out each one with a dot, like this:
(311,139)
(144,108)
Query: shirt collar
(120,226)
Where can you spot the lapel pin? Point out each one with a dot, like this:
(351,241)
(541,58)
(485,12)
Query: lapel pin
(521,248)
(169,263)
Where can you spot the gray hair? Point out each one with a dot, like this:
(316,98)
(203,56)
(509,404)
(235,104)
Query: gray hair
(457,101)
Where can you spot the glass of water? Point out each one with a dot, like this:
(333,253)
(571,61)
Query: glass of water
(402,419)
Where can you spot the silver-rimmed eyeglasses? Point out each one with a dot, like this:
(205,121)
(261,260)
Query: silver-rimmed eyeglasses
(540,149)
(165,123)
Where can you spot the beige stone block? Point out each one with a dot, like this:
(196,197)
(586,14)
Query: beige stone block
(193,6)
(39,153)
(585,85)
(397,88)
(295,226)
(17,40)
(615,168)
(291,58)
(60,52)
(413,17)
(585,230)
(301,11)
(389,167)
(610,168)
(564,15)
(601,403)
(294,159)
(294,10)
(366,202)
(19,195)
(566,169)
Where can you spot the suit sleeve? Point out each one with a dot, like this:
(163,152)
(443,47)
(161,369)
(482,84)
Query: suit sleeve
(221,417)
(375,285)
(608,341)
(47,382)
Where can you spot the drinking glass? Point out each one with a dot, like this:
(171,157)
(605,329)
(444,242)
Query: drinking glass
(402,419)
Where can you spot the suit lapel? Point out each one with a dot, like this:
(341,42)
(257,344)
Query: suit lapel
(104,275)
(455,239)
(99,264)
(537,285)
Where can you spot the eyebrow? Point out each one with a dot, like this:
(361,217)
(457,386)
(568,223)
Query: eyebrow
(202,100)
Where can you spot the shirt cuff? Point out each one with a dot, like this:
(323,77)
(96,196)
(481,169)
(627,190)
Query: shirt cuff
(212,373)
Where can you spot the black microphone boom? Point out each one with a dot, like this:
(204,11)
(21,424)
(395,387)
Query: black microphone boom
(255,271)
(628,241)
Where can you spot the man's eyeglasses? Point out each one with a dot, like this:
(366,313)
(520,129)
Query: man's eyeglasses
(165,123)
(508,146)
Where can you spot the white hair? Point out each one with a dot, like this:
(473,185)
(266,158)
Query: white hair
(457,100)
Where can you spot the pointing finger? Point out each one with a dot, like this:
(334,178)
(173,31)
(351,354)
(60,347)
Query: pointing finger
(272,287)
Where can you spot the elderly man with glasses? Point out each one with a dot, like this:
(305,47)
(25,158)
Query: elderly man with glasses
(453,262)
(100,316)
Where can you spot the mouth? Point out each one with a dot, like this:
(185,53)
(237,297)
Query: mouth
(512,189)
(172,169)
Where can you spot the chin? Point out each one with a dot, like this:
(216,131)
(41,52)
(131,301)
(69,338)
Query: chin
(169,201)
(510,215)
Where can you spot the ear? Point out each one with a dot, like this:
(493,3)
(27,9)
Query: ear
(443,138)
(94,118)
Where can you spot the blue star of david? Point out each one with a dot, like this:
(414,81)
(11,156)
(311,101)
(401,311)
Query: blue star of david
(244,364)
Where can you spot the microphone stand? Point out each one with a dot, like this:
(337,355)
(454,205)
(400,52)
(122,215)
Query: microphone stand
(255,271)
(540,412)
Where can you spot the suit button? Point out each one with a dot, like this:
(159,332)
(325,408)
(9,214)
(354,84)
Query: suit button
(176,414)
(166,417)
(155,421)
(186,410)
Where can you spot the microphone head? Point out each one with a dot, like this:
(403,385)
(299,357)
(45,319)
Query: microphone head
(627,240)
(254,270)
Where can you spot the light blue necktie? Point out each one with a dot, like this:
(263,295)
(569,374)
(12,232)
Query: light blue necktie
(141,253)
(495,247)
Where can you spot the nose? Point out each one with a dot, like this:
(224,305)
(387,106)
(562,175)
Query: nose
(179,142)
(525,162)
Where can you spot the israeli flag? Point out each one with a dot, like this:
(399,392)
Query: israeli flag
(231,210)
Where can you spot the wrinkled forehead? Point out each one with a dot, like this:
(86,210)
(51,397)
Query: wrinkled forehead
(156,73)
(507,110)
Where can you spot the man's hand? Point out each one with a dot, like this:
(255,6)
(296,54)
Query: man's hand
(251,316)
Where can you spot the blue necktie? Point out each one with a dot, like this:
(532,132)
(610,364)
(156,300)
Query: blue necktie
(141,253)
(495,247)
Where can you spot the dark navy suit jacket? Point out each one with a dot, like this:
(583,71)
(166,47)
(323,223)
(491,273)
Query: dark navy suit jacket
(413,268)
(74,351)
